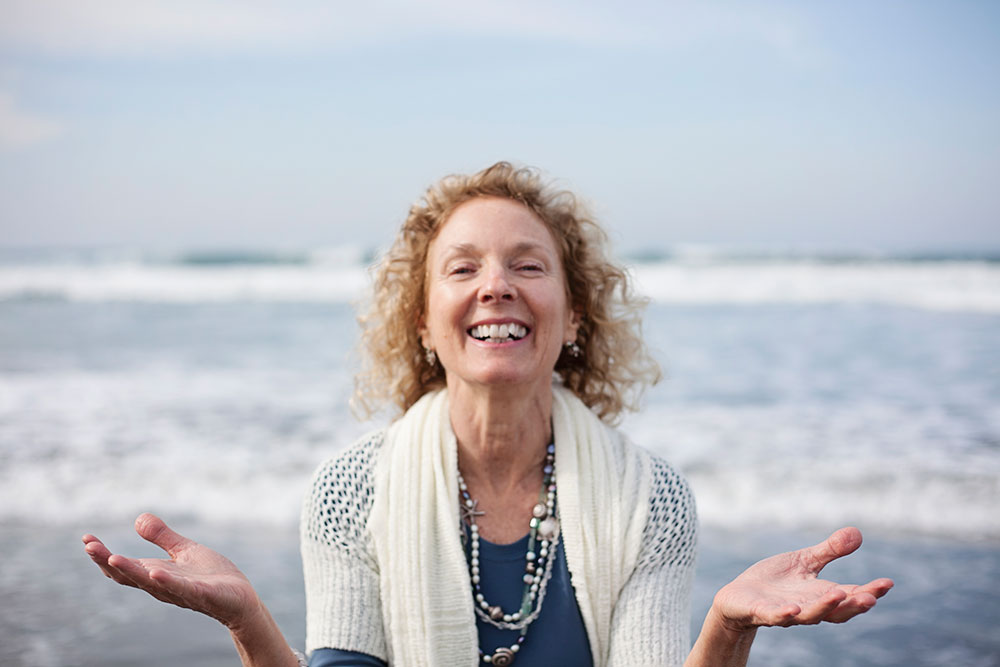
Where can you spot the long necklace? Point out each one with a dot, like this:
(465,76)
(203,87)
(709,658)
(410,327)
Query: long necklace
(543,533)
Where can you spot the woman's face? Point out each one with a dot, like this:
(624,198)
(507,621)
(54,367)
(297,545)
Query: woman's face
(496,310)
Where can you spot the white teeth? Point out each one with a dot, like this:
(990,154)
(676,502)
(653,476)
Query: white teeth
(499,333)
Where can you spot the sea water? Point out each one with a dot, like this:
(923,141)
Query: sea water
(800,394)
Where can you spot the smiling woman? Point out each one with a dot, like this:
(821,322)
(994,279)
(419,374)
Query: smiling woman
(500,510)
(509,276)
(598,292)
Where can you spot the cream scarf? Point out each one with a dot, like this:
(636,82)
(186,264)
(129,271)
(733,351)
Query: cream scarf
(428,615)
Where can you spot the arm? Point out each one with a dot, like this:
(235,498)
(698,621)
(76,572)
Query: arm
(782,590)
(343,604)
(650,625)
(197,578)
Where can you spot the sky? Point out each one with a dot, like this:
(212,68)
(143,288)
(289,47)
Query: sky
(756,124)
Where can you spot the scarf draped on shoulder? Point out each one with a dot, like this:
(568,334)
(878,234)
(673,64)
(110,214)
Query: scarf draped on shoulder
(428,614)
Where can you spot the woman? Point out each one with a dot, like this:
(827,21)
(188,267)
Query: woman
(500,518)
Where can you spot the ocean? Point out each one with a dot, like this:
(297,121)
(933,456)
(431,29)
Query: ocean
(801,393)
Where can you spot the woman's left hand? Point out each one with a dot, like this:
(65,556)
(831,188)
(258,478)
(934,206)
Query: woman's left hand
(785,589)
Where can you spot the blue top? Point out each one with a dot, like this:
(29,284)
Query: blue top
(557,636)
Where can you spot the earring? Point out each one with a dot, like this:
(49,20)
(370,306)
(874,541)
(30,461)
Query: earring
(572,348)
(430,357)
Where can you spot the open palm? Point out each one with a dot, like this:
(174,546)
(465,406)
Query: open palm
(785,589)
(194,576)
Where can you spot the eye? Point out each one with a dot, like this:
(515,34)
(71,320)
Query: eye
(530,266)
(460,269)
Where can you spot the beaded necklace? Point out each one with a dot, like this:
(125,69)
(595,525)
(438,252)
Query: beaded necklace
(544,532)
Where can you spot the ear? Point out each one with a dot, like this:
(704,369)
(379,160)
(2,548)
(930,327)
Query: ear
(575,319)
(422,333)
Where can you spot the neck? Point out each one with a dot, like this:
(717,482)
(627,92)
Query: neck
(502,434)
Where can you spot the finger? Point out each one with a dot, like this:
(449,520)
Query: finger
(100,554)
(95,548)
(152,529)
(819,610)
(777,616)
(132,572)
(851,607)
(130,569)
(170,587)
(877,588)
(841,543)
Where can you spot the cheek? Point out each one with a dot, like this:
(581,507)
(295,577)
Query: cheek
(443,313)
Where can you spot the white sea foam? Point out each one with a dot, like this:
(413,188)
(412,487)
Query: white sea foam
(789,416)
(213,446)
(227,446)
(960,286)
(339,277)
(824,466)
(183,284)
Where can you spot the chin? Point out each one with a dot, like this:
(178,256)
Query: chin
(508,377)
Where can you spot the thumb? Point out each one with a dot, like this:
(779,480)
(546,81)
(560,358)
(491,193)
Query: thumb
(841,543)
(152,529)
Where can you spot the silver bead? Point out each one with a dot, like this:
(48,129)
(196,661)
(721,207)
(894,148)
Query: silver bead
(539,511)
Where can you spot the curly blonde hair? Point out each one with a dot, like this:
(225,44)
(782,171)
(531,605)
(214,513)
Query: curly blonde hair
(613,367)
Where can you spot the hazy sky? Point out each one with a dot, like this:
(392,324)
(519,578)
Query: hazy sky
(243,123)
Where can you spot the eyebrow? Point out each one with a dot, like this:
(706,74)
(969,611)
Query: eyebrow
(459,248)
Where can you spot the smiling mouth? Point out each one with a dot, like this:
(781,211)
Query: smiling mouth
(498,333)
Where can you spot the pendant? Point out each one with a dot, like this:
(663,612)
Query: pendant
(502,656)
(470,510)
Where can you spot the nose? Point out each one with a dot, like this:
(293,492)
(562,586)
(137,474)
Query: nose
(496,286)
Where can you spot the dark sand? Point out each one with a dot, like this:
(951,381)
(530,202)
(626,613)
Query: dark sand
(57,608)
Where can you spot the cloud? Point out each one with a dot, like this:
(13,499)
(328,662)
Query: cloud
(177,28)
(20,128)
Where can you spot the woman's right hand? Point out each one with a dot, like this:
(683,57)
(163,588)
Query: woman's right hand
(194,577)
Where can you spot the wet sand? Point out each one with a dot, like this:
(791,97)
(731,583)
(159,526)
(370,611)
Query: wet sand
(59,610)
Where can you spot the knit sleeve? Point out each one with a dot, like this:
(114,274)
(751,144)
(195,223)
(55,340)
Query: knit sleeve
(343,608)
(651,622)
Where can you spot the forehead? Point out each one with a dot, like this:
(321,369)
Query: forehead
(496,223)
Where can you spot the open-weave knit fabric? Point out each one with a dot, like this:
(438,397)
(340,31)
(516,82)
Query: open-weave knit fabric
(630,552)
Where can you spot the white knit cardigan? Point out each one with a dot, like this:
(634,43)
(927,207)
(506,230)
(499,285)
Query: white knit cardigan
(385,571)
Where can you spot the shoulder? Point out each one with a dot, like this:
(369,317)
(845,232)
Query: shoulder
(671,533)
(339,500)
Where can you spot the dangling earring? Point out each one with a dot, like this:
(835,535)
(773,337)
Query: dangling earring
(430,357)
(571,347)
